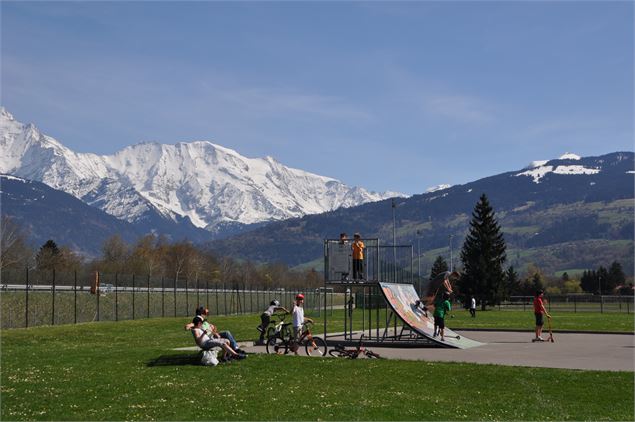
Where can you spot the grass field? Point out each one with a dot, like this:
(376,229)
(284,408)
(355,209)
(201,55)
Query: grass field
(129,371)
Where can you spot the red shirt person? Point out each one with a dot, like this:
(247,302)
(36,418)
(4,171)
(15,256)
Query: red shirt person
(539,311)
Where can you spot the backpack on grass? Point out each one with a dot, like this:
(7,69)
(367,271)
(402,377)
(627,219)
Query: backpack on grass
(210,358)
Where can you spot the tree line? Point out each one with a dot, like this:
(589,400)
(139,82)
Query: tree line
(153,256)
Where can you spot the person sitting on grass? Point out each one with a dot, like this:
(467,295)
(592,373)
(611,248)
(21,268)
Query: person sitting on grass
(441,307)
(211,330)
(205,342)
(204,312)
(265,319)
(299,324)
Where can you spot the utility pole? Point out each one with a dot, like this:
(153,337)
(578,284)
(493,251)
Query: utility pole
(419,258)
(394,239)
(451,257)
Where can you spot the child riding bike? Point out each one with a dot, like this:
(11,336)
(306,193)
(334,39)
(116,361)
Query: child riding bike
(265,319)
(300,327)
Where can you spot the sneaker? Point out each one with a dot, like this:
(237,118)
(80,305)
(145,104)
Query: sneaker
(240,356)
(259,328)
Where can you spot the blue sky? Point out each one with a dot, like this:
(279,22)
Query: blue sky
(385,95)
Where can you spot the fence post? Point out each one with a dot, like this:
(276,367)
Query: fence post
(601,304)
(53,301)
(148,296)
(575,305)
(207,293)
(133,297)
(187,302)
(162,297)
(174,295)
(251,300)
(198,301)
(116,297)
(224,298)
(97,296)
(75,295)
(216,291)
(26,293)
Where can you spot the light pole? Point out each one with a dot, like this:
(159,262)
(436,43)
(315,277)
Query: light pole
(451,260)
(599,285)
(394,239)
(419,258)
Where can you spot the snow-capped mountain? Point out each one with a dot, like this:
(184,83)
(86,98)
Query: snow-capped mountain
(208,184)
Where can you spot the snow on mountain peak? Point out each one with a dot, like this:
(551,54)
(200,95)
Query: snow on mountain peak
(437,188)
(569,156)
(206,182)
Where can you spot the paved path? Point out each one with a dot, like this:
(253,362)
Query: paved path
(606,352)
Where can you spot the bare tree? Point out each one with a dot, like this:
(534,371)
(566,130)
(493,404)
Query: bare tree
(14,251)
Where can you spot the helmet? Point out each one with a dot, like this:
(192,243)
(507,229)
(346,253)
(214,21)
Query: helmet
(299,296)
(275,303)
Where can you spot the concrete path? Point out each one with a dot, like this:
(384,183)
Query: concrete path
(605,352)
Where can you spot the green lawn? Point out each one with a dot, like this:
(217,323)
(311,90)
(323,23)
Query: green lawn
(128,371)
(524,320)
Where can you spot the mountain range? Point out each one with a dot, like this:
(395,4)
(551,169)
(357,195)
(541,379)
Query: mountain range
(198,190)
(565,213)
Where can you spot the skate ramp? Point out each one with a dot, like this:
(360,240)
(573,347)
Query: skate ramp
(402,299)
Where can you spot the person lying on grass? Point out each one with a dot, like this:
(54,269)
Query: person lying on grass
(211,329)
(205,342)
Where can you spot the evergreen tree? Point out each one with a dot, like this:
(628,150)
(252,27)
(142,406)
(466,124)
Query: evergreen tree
(47,256)
(615,277)
(602,278)
(512,282)
(483,255)
(589,282)
(439,266)
(565,277)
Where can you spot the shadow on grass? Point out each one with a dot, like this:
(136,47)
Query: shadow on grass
(176,360)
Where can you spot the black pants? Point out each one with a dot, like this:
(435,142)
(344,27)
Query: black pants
(358,269)
(473,312)
(264,323)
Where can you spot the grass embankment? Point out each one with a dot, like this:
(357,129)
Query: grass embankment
(129,371)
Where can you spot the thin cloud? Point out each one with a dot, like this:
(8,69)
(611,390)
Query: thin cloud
(460,108)
(273,102)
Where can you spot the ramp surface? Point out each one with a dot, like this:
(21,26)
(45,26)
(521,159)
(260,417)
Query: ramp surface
(402,298)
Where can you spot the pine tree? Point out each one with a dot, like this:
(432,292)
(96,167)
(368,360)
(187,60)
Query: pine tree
(615,277)
(47,256)
(483,255)
(512,282)
(439,266)
(589,282)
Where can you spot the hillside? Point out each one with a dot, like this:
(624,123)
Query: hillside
(570,212)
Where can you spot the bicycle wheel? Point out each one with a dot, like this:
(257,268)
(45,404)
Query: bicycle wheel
(370,354)
(270,332)
(276,345)
(338,353)
(320,347)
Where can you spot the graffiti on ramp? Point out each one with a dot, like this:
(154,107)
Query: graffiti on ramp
(403,300)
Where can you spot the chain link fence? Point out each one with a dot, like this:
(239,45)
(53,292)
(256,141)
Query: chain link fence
(573,303)
(33,298)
